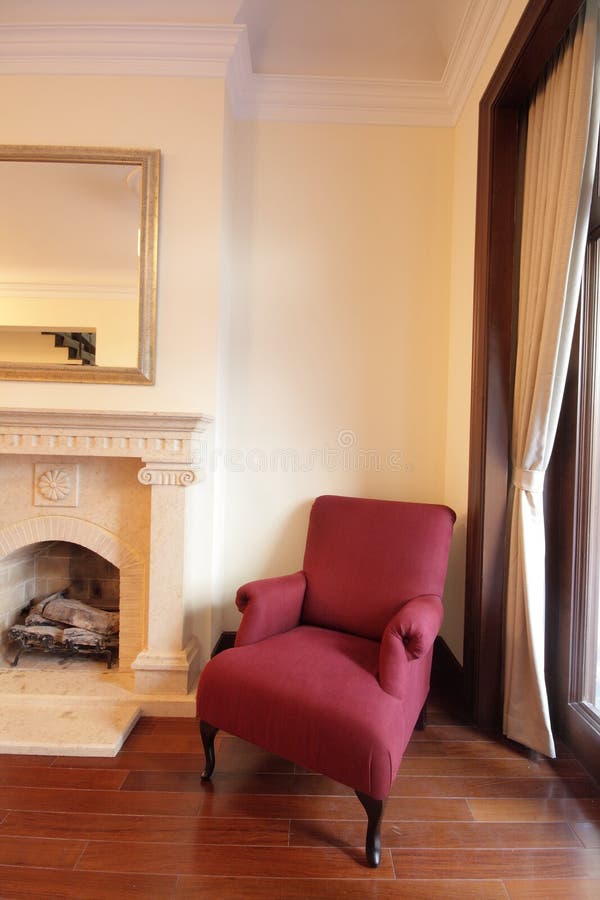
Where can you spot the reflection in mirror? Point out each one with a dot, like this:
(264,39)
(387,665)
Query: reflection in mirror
(32,345)
(78,233)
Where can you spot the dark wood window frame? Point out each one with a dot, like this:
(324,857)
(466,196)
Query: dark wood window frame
(534,41)
(568,512)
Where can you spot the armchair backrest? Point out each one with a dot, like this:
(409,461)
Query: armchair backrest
(365,558)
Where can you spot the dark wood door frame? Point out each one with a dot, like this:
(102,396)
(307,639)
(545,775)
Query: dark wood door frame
(536,37)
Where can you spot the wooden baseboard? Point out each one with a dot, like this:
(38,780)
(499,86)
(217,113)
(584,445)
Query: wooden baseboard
(225,642)
(447,676)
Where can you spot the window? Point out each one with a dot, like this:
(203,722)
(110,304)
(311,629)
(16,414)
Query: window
(573,531)
(585,674)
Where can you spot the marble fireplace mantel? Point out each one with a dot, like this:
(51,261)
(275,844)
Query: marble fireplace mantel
(160,646)
(157,437)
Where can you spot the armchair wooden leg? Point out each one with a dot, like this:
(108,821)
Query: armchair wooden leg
(374,810)
(208,733)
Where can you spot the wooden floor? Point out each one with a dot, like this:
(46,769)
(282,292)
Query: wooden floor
(468,817)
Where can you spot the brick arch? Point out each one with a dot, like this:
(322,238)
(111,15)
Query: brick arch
(79,531)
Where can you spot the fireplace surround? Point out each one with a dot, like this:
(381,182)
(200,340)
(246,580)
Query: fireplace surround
(131,488)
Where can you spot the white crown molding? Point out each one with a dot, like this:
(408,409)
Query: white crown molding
(240,76)
(477,31)
(54,291)
(201,51)
(343,100)
(222,51)
(294,98)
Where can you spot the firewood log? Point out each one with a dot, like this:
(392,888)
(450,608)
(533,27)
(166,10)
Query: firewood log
(80,615)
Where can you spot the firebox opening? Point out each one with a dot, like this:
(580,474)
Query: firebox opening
(88,577)
(69,571)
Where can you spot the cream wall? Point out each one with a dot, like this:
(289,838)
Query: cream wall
(183,117)
(338,332)
(231,238)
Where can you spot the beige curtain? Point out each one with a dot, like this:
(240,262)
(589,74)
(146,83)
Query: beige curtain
(562,137)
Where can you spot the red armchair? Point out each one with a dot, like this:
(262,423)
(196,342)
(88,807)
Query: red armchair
(331,665)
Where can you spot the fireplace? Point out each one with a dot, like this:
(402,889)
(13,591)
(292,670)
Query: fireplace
(129,489)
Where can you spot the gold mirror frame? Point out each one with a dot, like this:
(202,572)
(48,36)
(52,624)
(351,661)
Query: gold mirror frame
(149,161)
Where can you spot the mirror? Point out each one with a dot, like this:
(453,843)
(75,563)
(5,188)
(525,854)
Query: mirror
(78,249)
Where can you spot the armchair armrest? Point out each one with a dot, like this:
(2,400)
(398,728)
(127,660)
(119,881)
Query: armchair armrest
(408,637)
(269,606)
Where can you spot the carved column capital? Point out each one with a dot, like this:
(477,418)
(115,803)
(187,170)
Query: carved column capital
(176,474)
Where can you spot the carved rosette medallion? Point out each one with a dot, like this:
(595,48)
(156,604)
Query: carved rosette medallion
(57,486)
(54,484)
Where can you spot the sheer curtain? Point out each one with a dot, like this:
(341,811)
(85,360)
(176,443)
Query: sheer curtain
(562,138)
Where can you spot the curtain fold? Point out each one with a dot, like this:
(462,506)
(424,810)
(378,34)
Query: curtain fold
(560,156)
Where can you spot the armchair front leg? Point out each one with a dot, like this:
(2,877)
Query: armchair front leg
(374,810)
(208,733)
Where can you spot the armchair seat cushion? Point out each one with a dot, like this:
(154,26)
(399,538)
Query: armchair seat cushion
(311,695)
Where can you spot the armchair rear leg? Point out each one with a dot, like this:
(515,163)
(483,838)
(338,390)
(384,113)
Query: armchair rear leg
(208,733)
(374,810)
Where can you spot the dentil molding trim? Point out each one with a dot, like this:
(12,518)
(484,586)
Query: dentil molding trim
(222,51)
(174,440)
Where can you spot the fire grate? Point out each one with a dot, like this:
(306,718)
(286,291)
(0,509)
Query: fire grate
(58,624)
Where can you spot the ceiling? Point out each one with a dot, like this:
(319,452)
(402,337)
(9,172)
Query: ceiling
(373,61)
(403,39)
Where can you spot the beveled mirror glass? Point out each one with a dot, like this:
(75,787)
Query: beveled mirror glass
(78,248)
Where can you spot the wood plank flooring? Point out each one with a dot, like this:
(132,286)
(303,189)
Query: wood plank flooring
(469,817)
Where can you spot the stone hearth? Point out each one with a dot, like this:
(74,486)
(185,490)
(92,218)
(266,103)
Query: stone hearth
(129,487)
